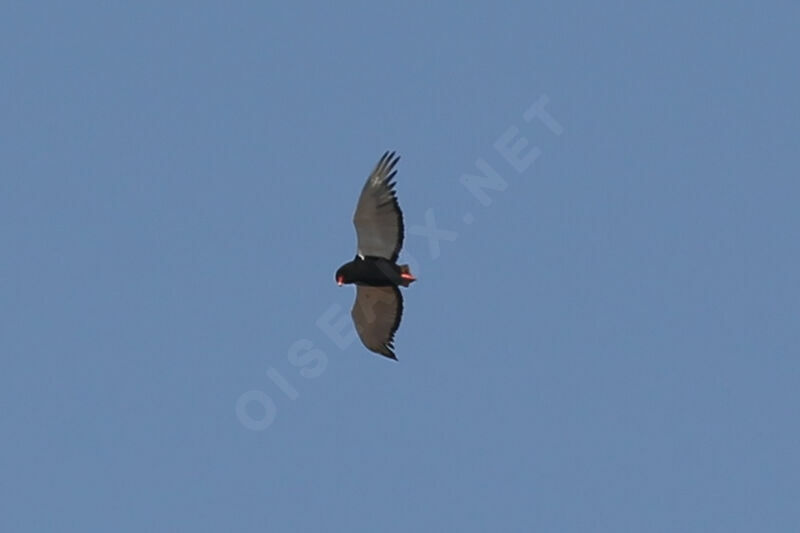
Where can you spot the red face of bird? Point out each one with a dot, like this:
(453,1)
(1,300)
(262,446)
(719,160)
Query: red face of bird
(340,276)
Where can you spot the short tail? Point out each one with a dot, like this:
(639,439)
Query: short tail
(406,277)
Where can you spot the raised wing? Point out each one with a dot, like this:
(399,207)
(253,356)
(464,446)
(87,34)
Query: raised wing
(376,314)
(378,219)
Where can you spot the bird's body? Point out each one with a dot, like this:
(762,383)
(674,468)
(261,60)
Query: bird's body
(378,219)
(375,272)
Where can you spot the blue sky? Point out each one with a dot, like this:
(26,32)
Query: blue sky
(607,346)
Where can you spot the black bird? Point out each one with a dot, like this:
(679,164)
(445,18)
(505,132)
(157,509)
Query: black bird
(378,308)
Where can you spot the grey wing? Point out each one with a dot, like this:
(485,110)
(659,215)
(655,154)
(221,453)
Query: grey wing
(376,314)
(378,219)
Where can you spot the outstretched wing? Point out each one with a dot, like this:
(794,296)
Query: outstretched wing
(378,219)
(376,314)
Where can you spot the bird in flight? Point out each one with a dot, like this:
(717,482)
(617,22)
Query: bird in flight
(378,308)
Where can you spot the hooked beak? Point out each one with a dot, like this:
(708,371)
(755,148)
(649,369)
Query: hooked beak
(340,280)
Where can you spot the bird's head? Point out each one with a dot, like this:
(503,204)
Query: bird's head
(343,275)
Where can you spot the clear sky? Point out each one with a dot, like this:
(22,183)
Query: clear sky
(603,337)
